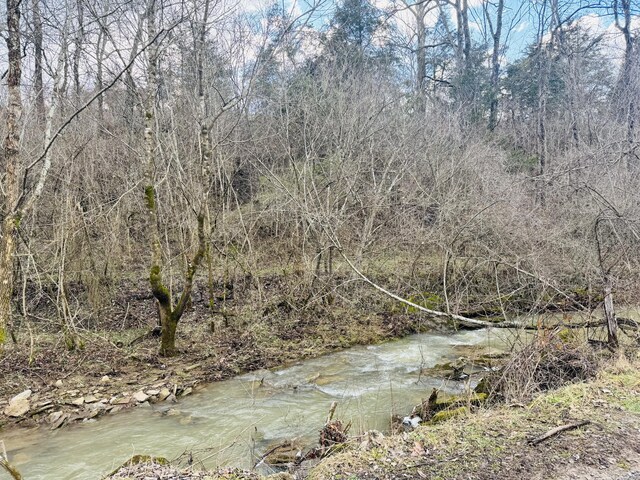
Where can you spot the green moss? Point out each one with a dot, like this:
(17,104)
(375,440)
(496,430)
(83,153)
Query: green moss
(632,405)
(483,387)
(448,414)
(567,335)
(159,290)
(427,300)
(150,196)
(3,335)
(458,400)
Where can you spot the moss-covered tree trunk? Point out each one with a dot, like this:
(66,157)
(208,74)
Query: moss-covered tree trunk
(168,339)
(169,313)
(11,158)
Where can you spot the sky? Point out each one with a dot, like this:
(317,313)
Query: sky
(520,20)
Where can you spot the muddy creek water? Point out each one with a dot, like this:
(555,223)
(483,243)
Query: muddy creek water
(231,423)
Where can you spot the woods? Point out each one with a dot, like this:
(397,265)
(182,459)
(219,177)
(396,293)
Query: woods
(473,158)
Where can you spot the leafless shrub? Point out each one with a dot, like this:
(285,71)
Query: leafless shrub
(546,363)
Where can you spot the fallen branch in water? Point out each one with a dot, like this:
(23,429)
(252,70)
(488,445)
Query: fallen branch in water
(11,470)
(555,431)
(332,412)
(4,463)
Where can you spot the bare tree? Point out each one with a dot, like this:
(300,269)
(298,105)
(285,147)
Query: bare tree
(627,88)
(495,29)
(12,214)
(38,83)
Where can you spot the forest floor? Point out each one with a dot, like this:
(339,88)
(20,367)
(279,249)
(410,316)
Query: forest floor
(494,442)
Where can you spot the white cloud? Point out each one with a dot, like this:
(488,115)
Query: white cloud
(521,27)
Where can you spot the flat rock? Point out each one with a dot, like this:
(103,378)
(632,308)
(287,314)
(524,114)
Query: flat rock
(140,396)
(97,406)
(90,399)
(54,416)
(78,401)
(59,421)
(17,408)
(21,396)
(164,393)
(153,392)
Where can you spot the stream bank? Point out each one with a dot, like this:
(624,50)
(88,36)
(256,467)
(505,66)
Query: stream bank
(234,422)
(501,441)
(118,370)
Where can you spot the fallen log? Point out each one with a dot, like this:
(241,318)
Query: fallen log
(474,323)
(555,431)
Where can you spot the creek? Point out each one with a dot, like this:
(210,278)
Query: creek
(231,423)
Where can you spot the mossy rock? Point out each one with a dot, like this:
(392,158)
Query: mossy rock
(457,400)
(453,370)
(449,403)
(445,415)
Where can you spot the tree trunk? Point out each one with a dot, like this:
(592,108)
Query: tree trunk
(495,65)
(169,314)
(101,45)
(129,82)
(609,313)
(169,327)
(421,33)
(38,83)
(77,53)
(12,156)
(627,87)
